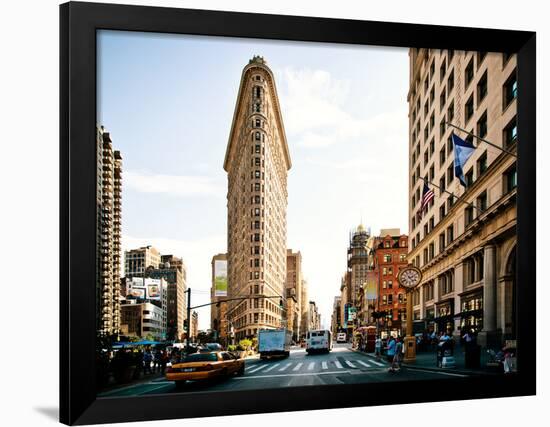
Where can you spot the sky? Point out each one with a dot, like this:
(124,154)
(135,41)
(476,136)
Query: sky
(168,102)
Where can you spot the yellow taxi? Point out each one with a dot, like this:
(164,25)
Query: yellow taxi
(203,366)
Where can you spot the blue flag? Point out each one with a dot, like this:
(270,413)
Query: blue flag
(463,151)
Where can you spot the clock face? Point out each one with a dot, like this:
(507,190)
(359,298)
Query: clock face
(409,277)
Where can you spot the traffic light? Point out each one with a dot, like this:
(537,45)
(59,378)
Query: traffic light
(281,304)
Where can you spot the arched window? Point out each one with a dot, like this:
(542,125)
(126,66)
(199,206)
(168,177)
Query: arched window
(257,136)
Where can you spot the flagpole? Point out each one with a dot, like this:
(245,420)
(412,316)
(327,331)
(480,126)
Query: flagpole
(452,194)
(481,139)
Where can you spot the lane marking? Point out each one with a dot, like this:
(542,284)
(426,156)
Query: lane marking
(338,364)
(363,363)
(351,365)
(298,366)
(272,367)
(324,365)
(437,372)
(377,363)
(284,367)
(257,369)
(151,389)
(311,366)
(292,375)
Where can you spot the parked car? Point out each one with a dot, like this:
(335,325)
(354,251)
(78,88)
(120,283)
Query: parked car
(203,366)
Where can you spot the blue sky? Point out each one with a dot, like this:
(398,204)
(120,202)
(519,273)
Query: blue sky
(168,102)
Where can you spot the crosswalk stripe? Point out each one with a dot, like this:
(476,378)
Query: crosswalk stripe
(351,365)
(363,363)
(338,364)
(377,363)
(257,369)
(311,366)
(286,366)
(298,366)
(272,367)
(324,365)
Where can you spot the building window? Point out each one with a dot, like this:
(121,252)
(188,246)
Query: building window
(482,201)
(482,88)
(442,70)
(480,57)
(256,174)
(469,73)
(257,211)
(450,145)
(469,108)
(468,215)
(256,275)
(402,257)
(441,242)
(390,284)
(510,179)
(258,108)
(387,258)
(256,237)
(511,133)
(450,234)
(256,250)
(510,89)
(469,177)
(442,212)
(451,82)
(482,164)
(258,123)
(482,126)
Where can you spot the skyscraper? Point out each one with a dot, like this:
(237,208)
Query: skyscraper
(256,161)
(108,211)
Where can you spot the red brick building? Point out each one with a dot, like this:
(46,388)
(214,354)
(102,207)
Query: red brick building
(390,256)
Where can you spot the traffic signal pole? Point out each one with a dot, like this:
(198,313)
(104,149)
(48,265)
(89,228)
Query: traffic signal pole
(187,346)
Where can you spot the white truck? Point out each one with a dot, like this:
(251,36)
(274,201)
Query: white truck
(274,342)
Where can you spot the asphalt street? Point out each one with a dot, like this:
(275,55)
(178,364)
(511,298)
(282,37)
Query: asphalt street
(340,366)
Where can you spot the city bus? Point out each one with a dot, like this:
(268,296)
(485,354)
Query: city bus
(318,341)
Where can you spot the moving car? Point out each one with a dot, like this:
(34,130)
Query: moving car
(204,366)
(319,341)
(274,342)
(341,337)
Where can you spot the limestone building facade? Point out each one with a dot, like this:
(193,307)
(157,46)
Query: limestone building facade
(464,245)
(257,161)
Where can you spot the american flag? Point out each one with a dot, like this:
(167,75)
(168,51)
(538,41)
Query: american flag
(427,196)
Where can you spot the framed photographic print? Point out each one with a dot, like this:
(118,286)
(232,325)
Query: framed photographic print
(301,212)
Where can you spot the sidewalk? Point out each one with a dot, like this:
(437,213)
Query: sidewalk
(427,360)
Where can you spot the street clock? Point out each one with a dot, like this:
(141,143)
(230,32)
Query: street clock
(409,277)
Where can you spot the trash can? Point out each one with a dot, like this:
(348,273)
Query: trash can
(472,355)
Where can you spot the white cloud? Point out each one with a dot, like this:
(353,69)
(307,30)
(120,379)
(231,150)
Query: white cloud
(174,185)
(319,111)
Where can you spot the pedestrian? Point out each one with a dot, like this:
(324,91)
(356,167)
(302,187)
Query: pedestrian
(398,357)
(163,361)
(157,360)
(378,347)
(147,359)
(391,349)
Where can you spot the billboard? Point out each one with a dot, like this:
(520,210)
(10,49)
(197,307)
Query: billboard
(371,290)
(220,278)
(153,291)
(135,291)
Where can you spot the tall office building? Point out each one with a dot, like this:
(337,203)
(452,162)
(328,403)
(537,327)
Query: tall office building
(173,270)
(465,247)
(108,211)
(256,161)
(294,291)
(136,261)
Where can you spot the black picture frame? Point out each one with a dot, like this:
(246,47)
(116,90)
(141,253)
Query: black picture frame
(78,25)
